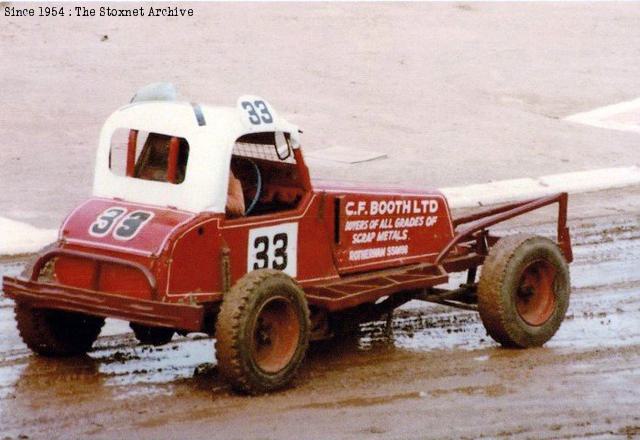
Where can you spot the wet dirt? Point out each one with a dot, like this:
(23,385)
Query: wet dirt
(433,373)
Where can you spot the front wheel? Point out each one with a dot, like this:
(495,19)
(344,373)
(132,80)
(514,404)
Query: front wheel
(523,293)
(57,332)
(262,332)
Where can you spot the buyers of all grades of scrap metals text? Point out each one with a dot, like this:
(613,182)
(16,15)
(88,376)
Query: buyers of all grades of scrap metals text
(102,11)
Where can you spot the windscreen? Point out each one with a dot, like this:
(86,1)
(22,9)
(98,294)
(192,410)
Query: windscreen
(271,146)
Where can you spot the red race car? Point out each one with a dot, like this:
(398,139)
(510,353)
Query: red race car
(204,219)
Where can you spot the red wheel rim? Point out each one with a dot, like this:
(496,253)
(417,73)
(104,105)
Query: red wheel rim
(536,298)
(276,332)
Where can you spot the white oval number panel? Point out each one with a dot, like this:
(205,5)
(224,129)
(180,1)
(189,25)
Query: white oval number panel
(274,247)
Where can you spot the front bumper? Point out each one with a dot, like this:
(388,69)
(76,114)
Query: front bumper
(55,296)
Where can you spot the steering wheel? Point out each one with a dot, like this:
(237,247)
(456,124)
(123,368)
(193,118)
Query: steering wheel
(256,197)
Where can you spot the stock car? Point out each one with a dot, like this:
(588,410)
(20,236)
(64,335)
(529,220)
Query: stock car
(155,246)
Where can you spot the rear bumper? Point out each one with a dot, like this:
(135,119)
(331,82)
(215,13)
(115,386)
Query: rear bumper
(108,305)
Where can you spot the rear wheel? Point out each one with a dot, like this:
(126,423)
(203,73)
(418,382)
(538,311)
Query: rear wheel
(151,335)
(524,289)
(262,332)
(57,332)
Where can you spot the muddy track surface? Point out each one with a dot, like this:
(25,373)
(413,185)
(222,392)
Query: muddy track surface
(431,373)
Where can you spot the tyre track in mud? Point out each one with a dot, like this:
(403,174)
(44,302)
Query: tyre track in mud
(432,364)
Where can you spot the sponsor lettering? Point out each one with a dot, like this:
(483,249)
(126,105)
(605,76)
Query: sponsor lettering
(380,222)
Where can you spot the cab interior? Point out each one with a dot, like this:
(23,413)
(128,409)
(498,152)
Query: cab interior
(273,177)
(269,172)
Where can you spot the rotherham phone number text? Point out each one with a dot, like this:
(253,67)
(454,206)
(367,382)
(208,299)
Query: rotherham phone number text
(103,11)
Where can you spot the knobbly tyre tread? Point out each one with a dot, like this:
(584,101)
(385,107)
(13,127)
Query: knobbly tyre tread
(495,298)
(56,332)
(229,326)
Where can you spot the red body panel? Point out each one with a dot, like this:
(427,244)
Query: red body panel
(376,231)
(184,250)
(193,260)
(144,247)
(78,272)
(148,240)
(313,254)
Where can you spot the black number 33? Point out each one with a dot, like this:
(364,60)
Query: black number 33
(131,224)
(253,109)
(125,229)
(279,258)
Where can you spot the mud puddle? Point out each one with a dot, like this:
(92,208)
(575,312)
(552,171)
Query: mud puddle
(595,319)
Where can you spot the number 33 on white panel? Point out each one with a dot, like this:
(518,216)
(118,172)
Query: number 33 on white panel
(274,247)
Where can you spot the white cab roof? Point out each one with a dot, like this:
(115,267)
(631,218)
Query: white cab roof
(211,133)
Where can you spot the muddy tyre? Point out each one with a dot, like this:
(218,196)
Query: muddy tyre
(57,332)
(151,335)
(262,332)
(523,293)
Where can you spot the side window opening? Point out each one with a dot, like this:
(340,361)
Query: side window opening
(268,172)
(148,156)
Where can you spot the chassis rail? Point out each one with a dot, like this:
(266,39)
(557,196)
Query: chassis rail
(482,220)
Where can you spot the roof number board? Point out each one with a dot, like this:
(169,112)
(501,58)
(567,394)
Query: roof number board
(257,112)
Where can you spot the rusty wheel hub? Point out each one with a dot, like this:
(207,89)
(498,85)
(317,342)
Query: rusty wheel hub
(536,297)
(276,333)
